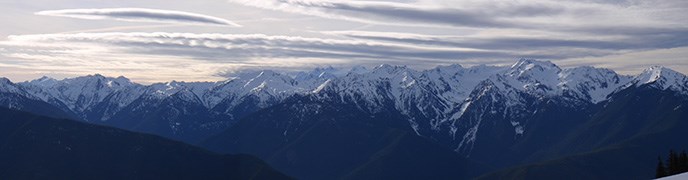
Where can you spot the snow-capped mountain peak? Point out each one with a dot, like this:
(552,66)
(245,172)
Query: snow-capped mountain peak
(4,80)
(594,84)
(387,68)
(326,72)
(79,93)
(456,82)
(165,89)
(44,81)
(530,65)
(664,78)
(386,71)
(120,81)
(532,76)
(358,70)
(313,79)
(266,85)
(8,87)
(659,73)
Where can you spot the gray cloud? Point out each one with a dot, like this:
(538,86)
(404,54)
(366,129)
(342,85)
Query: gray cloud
(398,13)
(240,47)
(371,48)
(140,14)
(420,33)
(604,17)
(670,39)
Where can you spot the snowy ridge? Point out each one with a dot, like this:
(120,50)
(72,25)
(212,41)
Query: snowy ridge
(162,90)
(546,79)
(449,85)
(265,85)
(508,95)
(440,90)
(594,84)
(663,78)
(316,77)
(436,99)
(81,93)
(449,100)
(9,93)
(6,86)
(539,77)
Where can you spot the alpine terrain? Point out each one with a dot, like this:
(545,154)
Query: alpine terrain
(530,120)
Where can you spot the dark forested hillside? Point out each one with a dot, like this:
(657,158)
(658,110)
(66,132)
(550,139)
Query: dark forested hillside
(38,147)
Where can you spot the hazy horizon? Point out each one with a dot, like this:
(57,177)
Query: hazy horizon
(339,71)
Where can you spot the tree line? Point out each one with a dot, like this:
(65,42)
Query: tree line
(675,164)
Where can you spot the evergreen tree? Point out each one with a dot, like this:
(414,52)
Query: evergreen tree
(683,162)
(661,169)
(673,164)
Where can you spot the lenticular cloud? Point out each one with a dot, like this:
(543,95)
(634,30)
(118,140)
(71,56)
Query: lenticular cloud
(140,15)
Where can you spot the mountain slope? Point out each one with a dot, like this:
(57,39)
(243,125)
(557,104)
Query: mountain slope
(79,95)
(37,147)
(180,116)
(621,141)
(311,139)
(15,97)
(531,105)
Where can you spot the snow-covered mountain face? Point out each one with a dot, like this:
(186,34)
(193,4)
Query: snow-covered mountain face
(663,78)
(446,103)
(14,96)
(437,99)
(80,95)
(6,86)
(11,94)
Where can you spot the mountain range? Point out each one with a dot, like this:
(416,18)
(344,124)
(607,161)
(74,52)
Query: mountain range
(395,122)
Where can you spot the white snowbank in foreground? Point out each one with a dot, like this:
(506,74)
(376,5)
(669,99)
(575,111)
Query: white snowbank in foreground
(682,176)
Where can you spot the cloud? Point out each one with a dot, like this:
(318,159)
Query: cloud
(150,57)
(242,47)
(140,15)
(635,62)
(615,42)
(624,17)
(379,12)
(195,56)
(419,33)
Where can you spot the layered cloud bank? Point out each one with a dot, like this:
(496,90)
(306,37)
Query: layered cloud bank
(521,14)
(625,35)
(140,15)
(240,47)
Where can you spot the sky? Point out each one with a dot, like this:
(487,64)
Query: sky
(207,40)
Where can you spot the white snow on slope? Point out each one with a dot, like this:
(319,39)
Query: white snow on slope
(682,176)
(268,86)
(594,84)
(81,93)
(7,86)
(663,78)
